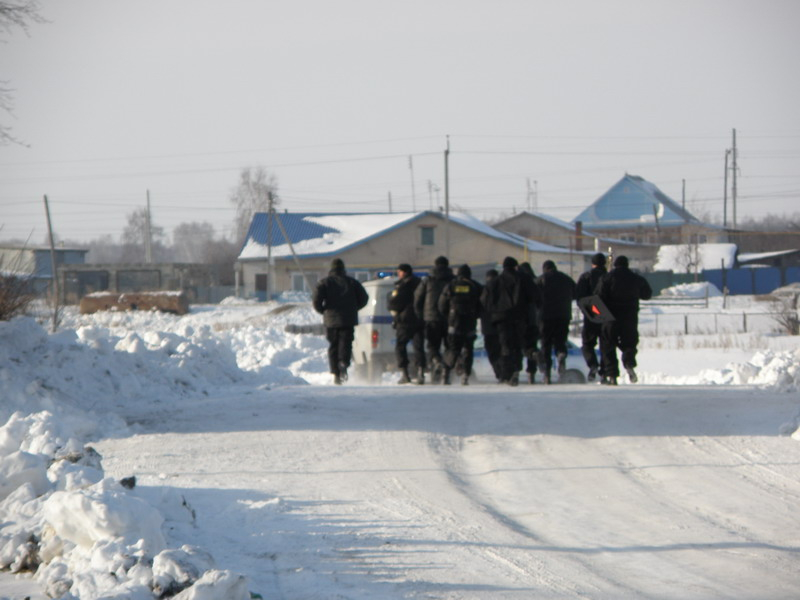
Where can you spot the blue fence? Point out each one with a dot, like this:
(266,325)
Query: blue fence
(751,281)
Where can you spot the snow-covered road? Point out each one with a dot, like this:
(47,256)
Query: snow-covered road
(483,491)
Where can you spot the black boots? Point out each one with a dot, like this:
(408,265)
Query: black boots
(404,378)
(562,363)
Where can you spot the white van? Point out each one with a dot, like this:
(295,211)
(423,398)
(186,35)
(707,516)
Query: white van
(374,339)
(374,342)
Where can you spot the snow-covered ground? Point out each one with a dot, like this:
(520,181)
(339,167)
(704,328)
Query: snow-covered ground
(208,456)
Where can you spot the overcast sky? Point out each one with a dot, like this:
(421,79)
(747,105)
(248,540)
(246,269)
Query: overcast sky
(114,98)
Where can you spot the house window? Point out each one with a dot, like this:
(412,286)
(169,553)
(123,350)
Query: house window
(426,236)
(361,275)
(299,282)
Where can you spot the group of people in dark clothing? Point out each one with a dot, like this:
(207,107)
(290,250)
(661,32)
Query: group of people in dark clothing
(524,319)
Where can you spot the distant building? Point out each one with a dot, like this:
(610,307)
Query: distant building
(300,247)
(199,282)
(635,210)
(550,230)
(35,263)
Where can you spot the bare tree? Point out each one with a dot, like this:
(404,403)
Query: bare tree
(191,242)
(689,257)
(16,289)
(134,235)
(253,193)
(19,13)
(103,250)
(14,14)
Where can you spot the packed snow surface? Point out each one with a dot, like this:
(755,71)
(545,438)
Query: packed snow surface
(208,456)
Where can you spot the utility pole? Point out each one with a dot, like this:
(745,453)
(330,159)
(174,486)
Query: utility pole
(533,196)
(270,261)
(390,201)
(148,235)
(413,190)
(447,199)
(725,192)
(53,267)
(683,194)
(530,194)
(733,182)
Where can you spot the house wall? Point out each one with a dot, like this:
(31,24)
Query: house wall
(681,234)
(403,245)
(529,227)
(19,261)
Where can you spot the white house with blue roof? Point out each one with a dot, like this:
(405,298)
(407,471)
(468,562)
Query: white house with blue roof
(635,210)
(298,247)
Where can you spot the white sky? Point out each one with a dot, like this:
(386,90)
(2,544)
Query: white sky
(116,98)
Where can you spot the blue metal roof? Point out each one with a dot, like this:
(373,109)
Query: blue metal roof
(633,201)
(300,227)
(265,230)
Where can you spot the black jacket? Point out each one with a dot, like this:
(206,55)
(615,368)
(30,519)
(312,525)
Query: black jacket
(588,281)
(461,303)
(621,289)
(558,292)
(401,303)
(338,297)
(426,297)
(508,295)
(532,310)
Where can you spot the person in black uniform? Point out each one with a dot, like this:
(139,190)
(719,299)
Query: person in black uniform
(426,303)
(621,289)
(461,303)
(491,340)
(338,298)
(590,332)
(558,292)
(530,339)
(507,298)
(408,327)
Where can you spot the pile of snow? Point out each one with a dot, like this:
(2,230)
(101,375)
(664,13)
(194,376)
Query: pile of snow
(691,258)
(777,371)
(88,536)
(702,289)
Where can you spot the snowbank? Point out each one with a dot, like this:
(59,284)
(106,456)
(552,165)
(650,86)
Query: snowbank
(88,536)
(703,289)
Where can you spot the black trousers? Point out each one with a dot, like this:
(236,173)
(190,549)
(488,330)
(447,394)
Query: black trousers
(530,347)
(622,333)
(461,346)
(340,347)
(491,342)
(417,338)
(590,335)
(554,337)
(510,335)
(436,336)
